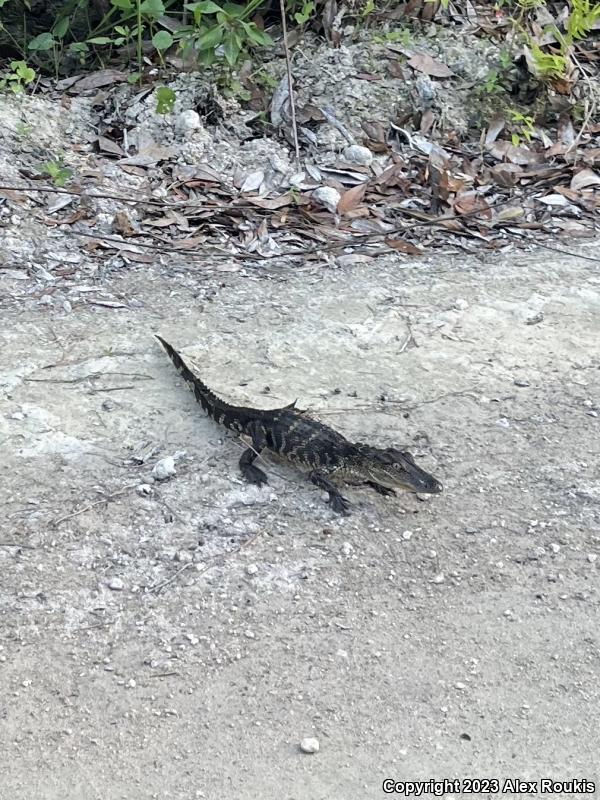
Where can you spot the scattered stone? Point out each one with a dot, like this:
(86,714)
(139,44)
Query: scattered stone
(192,639)
(522,382)
(406,535)
(460,685)
(554,547)
(327,196)
(188,120)
(116,584)
(592,557)
(439,578)
(164,469)
(249,634)
(460,304)
(357,154)
(184,556)
(347,548)
(131,684)
(144,490)
(251,569)
(309,745)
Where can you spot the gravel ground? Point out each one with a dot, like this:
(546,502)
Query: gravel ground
(182,639)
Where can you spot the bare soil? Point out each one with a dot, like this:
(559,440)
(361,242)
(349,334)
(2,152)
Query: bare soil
(454,637)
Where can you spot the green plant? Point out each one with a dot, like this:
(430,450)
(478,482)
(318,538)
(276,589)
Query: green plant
(18,78)
(228,32)
(23,129)
(58,173)
(525,127)
(368,8)
(582,18)
(305,13)
(165,100)
(402,35)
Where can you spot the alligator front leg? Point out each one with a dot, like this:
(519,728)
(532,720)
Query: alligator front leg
(251,472)
(380,488)
(337,501)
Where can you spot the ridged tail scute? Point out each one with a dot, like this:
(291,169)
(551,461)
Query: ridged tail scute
(209,401)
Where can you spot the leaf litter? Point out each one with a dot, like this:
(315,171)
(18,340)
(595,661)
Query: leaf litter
(211,181)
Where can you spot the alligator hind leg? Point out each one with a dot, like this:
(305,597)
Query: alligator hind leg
(336,500)
(251,472)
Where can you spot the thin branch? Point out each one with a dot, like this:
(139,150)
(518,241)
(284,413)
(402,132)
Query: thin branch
(55,523)
(288,62)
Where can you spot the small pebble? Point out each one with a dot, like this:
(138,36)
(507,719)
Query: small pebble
(460,685)
(188,120)
(116,584)
(347,548)
(309,745)
(555,547)
(327,196)
(249,634)
(357,154)
(251,569)
(144,489)
(164,469)
(439,578)
(592,557)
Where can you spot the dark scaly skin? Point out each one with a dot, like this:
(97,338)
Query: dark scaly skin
(309,444)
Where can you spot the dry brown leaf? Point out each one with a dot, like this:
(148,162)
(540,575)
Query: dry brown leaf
(584,179)
(423,62)
(104,77)
(427,121)
(352,198)
(403,247)
(496,126)
(506,175)
(122,224)
(471,203)
(517,155)
(272,203)
(106,145)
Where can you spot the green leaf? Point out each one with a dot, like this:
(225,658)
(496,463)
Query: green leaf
(205,7)
(231,48)
(134,77)
(61,27)
(162,40)
(234,10)
(153,9)
(23,71)
(123,31)
(44,41)
(210,39)
(165,100)
(206,57)
(100,40)
(256,35)
(124,5)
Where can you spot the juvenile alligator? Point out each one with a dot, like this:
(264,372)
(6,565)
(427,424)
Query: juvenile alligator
(307,443)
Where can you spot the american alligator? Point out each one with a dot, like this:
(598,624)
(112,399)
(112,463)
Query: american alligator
(307,443)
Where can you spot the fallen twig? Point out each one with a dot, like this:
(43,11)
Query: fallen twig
(288,62)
